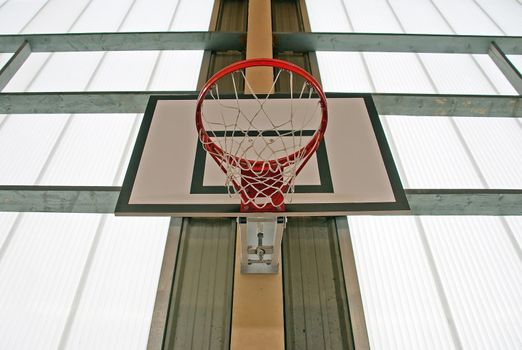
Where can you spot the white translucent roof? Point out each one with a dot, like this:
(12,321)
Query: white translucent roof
(89,281)
(74,281)
(436,282)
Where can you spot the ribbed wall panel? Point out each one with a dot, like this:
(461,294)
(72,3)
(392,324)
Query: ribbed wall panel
(39,274)
(401,304)
(316,306)
(200,309)
(482,278)
(115,307)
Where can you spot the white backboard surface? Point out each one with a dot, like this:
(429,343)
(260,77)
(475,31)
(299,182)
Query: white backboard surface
(352,171)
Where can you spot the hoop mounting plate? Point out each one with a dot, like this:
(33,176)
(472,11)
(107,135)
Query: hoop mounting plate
(352,172)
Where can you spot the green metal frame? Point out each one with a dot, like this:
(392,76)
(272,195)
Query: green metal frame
(222,41)
(85,199)
(103,199)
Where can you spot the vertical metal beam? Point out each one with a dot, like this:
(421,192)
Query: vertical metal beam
(14,63)
(506,67)
(317,315)
(161,305)
(201,299)
(353,290)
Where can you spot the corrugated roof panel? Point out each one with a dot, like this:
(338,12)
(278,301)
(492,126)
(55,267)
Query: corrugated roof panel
(401,304)
(176,70)
(193,15)
(456,74)
(505,13)
(319,11)
(497,148)
(115,307)
(495,76)
(482,278)
(424,19)
(55,72)
(371,16)
(89,152)
(4,57)
(515,224)
(6,222)
(103,16)
(397,72)
(343,72)
(25,144)
(517,61)
(56,16)
(15,14)
(39,274)
(465,17)
(429,149)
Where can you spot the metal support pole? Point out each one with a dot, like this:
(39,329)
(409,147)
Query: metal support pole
(14,63)
(506,67)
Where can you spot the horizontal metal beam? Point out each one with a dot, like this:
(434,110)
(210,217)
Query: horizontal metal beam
(449,105)
(465,202)
(219,41)
(81,199)
(136,101)
(377,42)
(60,199)
(222,41)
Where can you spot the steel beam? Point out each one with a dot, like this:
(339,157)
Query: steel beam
(61,199)
(378,42)
(84,199)
(506,67)
(136,101)
(465,202)
(14,63)
(222,41)
(219,41)
(448,105)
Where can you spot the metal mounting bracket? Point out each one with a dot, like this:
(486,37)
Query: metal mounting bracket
(261,243)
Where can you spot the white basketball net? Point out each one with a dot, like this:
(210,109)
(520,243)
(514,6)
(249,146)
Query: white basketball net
(261,129)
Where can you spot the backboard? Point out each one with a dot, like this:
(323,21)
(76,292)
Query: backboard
(352,172)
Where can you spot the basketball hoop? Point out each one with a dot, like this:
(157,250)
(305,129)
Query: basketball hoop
(261,151)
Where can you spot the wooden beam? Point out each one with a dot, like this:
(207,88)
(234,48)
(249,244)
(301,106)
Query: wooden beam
(257,311)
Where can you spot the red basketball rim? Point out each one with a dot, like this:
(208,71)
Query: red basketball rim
(310,147)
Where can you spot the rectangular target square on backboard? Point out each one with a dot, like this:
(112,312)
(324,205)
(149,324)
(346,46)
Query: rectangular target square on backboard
(352,172)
